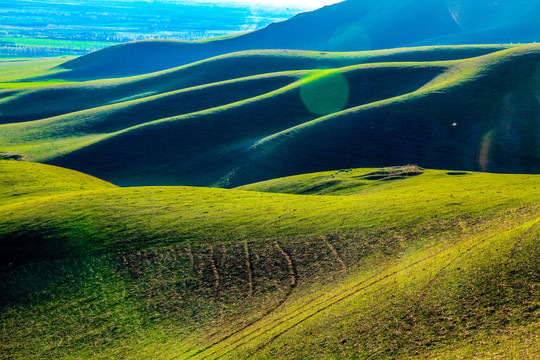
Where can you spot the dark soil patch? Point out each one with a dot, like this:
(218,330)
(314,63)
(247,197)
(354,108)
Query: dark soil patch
(394,173)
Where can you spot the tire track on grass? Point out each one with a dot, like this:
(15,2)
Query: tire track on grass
(287,317)
(249,269)
(514,249)
(318,311)
(339,259)
(279,318)
(284,318)
(329,305)
(214,268)
(293,277)
(191,258)
(451,262)
(293,274)
(248,257)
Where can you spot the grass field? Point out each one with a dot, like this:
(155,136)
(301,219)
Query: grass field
(394,106)
(388,263)
(232,199)
(20,46)
(14,73)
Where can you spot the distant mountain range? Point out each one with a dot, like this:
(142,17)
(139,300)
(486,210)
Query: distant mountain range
(352,25)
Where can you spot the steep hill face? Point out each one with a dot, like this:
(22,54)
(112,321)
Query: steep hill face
(352,25)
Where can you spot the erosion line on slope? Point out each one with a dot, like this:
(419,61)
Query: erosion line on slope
(214,268)
(249,269)
(292,270)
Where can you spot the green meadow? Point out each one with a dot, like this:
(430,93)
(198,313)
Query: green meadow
(154,129)
(400,262)
(14,73)
(259,205)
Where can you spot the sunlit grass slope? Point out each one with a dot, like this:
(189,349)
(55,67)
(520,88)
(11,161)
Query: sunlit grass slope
(25,181)
(55,100)
(340,182)
(16,73)
(201,148)
(411,262)
(478,113)
(51,137)
(115,60)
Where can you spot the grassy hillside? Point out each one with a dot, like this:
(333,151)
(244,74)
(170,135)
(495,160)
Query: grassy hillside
(51,137)
(287,256)
(481,115)
(411,262)
(25,181)
(340,182)
(55,100)
(166,128)
(351,25)
(200,148)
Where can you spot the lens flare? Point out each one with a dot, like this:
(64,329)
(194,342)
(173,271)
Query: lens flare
(475,14)
(483,160)
(325,94)
(455,7)
(535,86)
(350,37)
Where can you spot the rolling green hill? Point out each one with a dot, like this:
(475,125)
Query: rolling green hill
(351,25)
(482,115)
(390,263)
(232,199)
(55,100)
(237,118)
(21,182)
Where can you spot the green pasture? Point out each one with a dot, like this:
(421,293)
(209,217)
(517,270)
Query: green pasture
(393,263)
